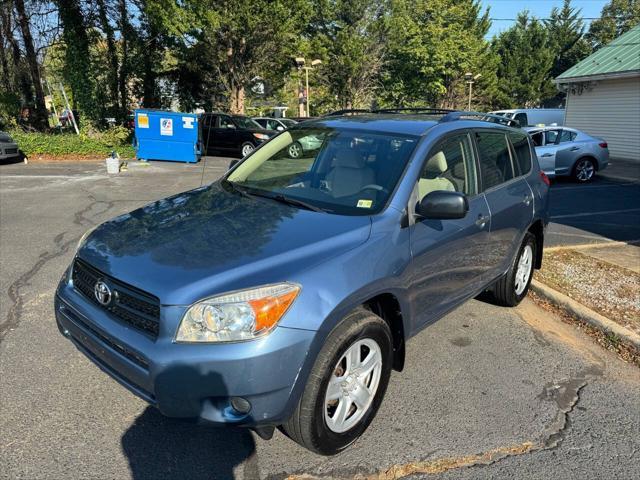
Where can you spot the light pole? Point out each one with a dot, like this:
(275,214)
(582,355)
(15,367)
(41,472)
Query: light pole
(471,78)
(300,62)
(306,71)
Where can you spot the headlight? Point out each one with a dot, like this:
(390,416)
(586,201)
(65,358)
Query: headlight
(242,315)
(261,136)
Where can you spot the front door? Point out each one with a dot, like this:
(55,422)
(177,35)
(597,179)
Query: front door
(448,255)
(508,195)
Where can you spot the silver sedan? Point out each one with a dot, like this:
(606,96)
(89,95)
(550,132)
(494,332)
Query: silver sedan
(569,152)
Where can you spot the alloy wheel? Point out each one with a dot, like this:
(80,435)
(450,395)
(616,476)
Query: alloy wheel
(523,272)
(353,385)
(584,170)
(246,150)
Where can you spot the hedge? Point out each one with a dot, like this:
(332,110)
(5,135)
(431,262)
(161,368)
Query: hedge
(60,144)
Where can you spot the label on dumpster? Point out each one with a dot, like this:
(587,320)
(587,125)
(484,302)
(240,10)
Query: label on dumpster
(143,120)
(166,126)
(187,122)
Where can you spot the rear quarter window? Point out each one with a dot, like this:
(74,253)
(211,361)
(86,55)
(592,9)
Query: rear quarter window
(522,152)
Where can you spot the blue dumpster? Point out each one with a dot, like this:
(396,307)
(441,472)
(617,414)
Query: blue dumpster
(164,135)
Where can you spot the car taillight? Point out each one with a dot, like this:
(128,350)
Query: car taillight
(603,144)
(545,179)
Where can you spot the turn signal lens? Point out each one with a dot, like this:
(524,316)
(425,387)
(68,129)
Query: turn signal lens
(261,136)
(242,315)
(604,145)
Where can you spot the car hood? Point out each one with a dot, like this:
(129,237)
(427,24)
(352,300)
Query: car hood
(210,240)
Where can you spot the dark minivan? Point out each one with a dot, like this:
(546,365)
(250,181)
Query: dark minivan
(235,135)
(282,295)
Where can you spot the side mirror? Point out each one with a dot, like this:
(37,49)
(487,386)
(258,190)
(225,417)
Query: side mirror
(280,128)
(233,163)
(443,205)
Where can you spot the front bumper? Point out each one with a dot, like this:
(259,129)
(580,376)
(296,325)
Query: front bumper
(8,150)
(189,380)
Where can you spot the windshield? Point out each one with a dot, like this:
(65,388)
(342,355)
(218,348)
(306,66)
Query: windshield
(246,122)
(288,123)
(339,171)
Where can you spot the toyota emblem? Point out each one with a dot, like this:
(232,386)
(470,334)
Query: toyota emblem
(102,292)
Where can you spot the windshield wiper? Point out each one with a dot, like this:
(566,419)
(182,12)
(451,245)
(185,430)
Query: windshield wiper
(236,188)
(296,203)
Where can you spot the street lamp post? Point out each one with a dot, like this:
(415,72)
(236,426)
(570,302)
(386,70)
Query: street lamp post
(471,78)
(300,62)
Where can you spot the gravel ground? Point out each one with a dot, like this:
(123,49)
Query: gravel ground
(608,289)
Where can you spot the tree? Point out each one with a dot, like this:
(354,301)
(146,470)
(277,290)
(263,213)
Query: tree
(350,37)
(433,43)
(525,61)
(617,17)
(40,117)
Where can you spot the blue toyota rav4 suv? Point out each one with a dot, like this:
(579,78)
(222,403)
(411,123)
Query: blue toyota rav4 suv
(282,295)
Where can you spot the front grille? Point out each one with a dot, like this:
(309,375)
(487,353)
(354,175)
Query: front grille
(11,151)
(129,304)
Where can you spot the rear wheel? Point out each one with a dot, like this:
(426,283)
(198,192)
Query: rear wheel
(246,149)
(346,385)
(584,170)
(514,285)
(295,150)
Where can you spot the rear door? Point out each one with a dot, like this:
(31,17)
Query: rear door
(448,255)
(547,150)
(508,195)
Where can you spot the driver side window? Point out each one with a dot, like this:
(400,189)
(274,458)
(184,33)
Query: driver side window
(449,166)
(226,122)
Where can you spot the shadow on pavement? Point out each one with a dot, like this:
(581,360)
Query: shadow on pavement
(158,447)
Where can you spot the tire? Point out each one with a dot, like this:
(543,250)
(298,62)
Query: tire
(316,423)
(295,150)
(584,170)
(514,285)
(246,149)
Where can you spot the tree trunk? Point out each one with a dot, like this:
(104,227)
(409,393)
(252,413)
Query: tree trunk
(125,29)
(236,99)
(40,115)
(4,64)
(112,55)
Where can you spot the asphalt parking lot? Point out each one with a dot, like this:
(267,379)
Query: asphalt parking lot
(487,392)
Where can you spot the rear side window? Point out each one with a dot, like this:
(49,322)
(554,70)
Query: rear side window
(495,161)
(522,119)
(567,136)
(521,148)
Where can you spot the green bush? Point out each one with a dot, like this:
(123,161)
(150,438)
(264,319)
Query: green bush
(89,142)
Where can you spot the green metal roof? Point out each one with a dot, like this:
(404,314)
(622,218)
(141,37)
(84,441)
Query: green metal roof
(619,56)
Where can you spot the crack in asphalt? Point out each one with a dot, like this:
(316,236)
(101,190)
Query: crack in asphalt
(15,289)
(565,394)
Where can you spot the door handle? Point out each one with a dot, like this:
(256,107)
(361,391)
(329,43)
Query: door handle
(548,155)
(573,149)
(527,200)
(482,221)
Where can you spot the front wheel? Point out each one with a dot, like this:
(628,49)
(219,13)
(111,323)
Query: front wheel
(346,385)
(584,170)
(295,150)
(514,285)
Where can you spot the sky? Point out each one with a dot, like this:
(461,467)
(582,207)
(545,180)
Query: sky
(539,8)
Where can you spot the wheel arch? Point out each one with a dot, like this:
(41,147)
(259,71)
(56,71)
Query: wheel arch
(595,161)
(387,306)
(537,230)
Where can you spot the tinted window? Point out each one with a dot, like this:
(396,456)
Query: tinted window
(245,122)
(567,136)
(522,119)
(537,138)
(551,136)
(495,162)
(261,121)
(449,166)
(226,122)
(521,148)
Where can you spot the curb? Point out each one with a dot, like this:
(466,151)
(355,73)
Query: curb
(586,314)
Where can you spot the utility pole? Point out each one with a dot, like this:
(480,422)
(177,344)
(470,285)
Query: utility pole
(300,62)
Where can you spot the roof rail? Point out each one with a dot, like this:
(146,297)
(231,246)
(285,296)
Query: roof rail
(425,110)
(487,117)
(349,111)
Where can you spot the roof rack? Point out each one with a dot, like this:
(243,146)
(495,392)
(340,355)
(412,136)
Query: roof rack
(424,110)
(448,115)
(487,117)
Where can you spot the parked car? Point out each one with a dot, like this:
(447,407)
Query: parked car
(283,293)
(569,152)
(8,148)
(278,124)
(534,116)
(231,134)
